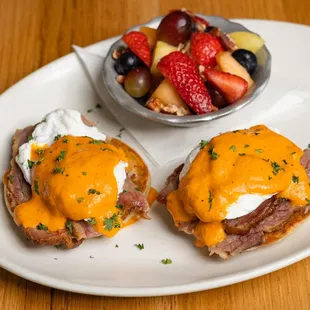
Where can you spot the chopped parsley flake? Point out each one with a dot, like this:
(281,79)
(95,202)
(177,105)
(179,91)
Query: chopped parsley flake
(11,178)
(65,140)
(43,120)
(112,222)
(36,186)
(309,146)
(266,160)
(246,145)
(57,246)
(120,133)
(293,153)
(269,177)
(95,141)
(40,152)
(241,154)
(276,167)
(285,162)
(235,131)
(42,227)
(80,199)
(30,137)
(93,191)
(58,170)
(210,200)
(91,256)
(30,163)
(89,110)
(233,148)
(166,261)
(203,143)
(98,106)
(91,221)
(69,226)
(119,207)
(78,144)
(295,179)
(57,137)
(84,172)
(138,189)
(256,133)
(39,162)
(116,245)
(140,246)
(106,149)
(307,200)
(61,156)
(258,150)
(123,192)
(213,154)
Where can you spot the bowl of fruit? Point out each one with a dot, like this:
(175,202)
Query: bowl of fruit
(185,69)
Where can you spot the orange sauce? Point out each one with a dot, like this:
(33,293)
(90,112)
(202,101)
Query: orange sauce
(152,196)
(252,161)
(74,180)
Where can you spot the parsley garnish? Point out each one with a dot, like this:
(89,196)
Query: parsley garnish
(57,246)
(93,191)
(58,170)
(116,245)
(295,179)
(11,178)
(106,149)
(307,200)
(84,172)
(40,152)
(120,133)
(89,110)
(241,154)
(140,246)
(98,106)
(246,145)
(43,120)
(203,143)
(308,146)
(36,186)
(119,207)
(266,160)
(80,199)
(233,148)
(285,162)
(123,192)
(39,162)
(111,222)
(276,167)
(91,221)
(42,227)
(235,131)
(95,141)
(210,200)
(30,137)
(61,156)
(258,150)
(30,163)
(78,144)
(57,137)
(293,153)
(269,177)
(256,133)
(138,189)
(69,226)
(214,155)
(166,261)
(65,140)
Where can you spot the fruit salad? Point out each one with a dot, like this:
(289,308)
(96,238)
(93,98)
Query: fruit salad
(186,66)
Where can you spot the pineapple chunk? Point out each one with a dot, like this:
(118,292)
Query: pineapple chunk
(151,36)
(229,64)
(161,49)
(166,99)
(247,40)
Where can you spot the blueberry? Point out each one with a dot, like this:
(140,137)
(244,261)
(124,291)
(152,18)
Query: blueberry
(247,59)
(119,68)
(129,61)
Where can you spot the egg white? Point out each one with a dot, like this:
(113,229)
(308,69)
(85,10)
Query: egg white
(244,205)
(63,122)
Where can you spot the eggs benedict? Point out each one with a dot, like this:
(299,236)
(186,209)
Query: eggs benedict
(69,182)
(242,189)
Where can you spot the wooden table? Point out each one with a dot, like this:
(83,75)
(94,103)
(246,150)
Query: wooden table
(36,32)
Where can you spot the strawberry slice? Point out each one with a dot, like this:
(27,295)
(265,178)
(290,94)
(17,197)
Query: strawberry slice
(137,42)
(231,87)
(181,71)
(204,48)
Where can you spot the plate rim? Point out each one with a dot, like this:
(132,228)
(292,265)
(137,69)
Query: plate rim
(148,291)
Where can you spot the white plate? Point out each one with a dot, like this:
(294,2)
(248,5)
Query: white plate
(126,271)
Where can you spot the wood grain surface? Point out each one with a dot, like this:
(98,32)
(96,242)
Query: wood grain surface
(36,32)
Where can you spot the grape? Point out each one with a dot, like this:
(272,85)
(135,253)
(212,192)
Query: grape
(217,99)
(138,82)
(175,28)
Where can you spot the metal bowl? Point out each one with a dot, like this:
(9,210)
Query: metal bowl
(260,77)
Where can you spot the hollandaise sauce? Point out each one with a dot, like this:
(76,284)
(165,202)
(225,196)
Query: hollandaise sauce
(73,179)
(252,161)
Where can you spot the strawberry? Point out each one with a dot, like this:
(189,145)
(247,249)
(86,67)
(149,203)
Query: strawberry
(204,48)
(181,71)
(137,42)
(230,86)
